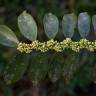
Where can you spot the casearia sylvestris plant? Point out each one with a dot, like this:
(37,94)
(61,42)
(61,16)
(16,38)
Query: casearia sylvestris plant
(28,28)
(38,64)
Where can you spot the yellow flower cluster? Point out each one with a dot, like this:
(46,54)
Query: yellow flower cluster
(57,46)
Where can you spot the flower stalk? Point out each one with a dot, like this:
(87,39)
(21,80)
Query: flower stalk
(57,46)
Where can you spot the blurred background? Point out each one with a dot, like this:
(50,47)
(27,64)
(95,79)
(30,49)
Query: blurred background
(9,11)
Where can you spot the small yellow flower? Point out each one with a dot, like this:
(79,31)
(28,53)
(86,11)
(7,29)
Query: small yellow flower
(57,46)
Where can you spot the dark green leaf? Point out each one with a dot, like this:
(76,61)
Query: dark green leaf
(2,67)
(38,67)
(56,65)
(70,67)
(86,71)
(8,91)
(15,70)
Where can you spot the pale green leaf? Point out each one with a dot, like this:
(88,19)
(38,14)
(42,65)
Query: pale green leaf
(69,24)
(27,26)
(84,24)
(51,25)
(7,37)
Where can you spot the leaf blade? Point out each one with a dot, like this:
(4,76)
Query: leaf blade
(51,25)
(68,24)
(94,22)
(39,67)
(27,26)
(7,37)
(15,70)
(84,24)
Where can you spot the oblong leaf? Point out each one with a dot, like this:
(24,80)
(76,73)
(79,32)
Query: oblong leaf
(7,37)
(51,25)
(56,65)
(27,26)
(38,67)
(70,67)
(94,22)
(15,70)
(68,24)
(84,24)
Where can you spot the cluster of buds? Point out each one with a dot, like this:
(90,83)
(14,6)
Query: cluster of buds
(57,46)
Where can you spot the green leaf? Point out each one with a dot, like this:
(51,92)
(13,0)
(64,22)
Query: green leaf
(94,22)
(27,26)
(2,67)
(70,67)
(51,25)
(86,71)
(84,24)
(56,64)
(7,37)
(15,70)
(69,24)
(38,67)
(8,91)
(83,76)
